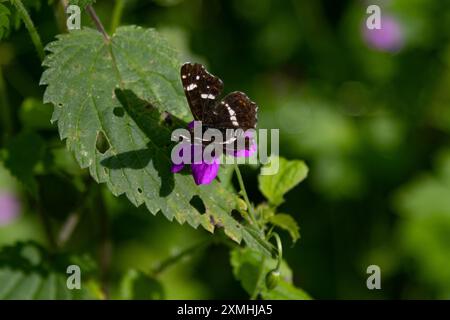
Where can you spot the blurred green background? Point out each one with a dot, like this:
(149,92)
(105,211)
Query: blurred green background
(369,111)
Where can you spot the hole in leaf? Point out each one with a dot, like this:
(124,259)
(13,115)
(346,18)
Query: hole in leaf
(236,215)
(139,190)
(198,204)
(167,118)
(102,143)
(119,112)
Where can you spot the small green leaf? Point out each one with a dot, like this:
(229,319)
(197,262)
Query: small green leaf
(246,265)
(24,152)
(287,223)
(264,212)
(138,285)
(291,173)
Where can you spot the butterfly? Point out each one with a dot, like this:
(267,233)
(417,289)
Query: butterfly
(202,89)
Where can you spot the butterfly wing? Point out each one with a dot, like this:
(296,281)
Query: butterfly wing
(201,89)
(235,111)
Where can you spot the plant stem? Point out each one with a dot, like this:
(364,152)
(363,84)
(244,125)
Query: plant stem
(263,263)
(5,109)
(97,22)
(177,257)
(279,248)
(260,279)
(244,193)
(67,229)
(30,27)
(59,9)
(116,15)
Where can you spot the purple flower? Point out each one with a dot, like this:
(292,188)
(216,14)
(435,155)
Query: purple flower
(9,208)
(389,38)
(205,171)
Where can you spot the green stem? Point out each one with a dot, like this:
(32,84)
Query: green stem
(30,27)
(97,22)
(177,257)
(59,9)
(260,279)
(263,263)
(280,250)
(5,110)
(116,15)
(68,228)
(244,193)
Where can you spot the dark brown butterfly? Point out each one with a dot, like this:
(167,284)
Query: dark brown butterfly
(202,89)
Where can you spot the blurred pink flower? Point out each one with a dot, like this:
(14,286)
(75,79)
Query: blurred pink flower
(389,38)
(9,207)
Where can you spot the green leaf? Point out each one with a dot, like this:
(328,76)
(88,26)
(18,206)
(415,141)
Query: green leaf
(291,173)
(109,101)
(287,223)
(24,152)
(138,285)
(246,266)
(14,19)
(225,176)
(264,212)
(28,271)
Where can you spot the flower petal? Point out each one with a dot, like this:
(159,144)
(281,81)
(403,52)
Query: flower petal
(177,167)
(205,173)
(246,153)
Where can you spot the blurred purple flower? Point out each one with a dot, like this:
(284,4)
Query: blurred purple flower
(205,172)
(389,38)
(9,208)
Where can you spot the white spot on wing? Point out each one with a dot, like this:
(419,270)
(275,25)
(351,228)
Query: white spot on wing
(207,96)
(192,86)
(232,114)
